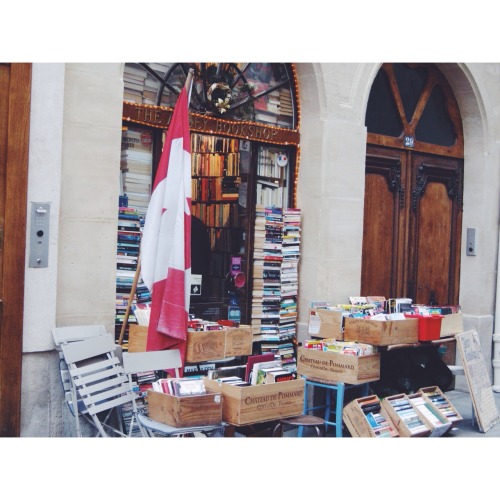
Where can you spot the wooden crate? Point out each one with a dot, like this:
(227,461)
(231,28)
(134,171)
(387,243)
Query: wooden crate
(259,403)
(219,344)
(382,333)
(137,338)
(325,324)
(445,407)
(357,422)
(239,341)
(185,411)
(324,366)
(452,324)
(437,422)
(403,429)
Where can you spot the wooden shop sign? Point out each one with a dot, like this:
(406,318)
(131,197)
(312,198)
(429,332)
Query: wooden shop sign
(159,117)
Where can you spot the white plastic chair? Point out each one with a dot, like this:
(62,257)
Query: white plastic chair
(137,362)
(97,380)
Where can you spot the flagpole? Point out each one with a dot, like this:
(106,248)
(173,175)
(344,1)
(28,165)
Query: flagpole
(130,300)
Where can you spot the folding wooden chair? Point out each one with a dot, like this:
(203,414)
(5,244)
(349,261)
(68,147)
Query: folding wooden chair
(137,362)
(97,381)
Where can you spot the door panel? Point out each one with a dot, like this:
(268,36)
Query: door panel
(433,246)
(435,228)
(15,91)
(383,233)
(378,235)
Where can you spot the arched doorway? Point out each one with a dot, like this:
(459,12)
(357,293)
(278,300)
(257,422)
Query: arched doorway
(413,187)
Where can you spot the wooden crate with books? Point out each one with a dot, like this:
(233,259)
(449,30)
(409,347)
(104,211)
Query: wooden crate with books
(365,417)
(405,416)
(381,333)
(219,344)
(187,408)
(332,367)
(325,323)
(437,397)
(252,404)
(430,414)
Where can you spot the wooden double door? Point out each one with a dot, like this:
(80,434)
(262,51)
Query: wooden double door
(412,226)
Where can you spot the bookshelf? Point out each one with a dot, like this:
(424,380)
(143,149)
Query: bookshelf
(217,218)
(272,176)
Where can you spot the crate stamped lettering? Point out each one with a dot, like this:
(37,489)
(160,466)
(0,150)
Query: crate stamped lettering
(260,403)
(328,366)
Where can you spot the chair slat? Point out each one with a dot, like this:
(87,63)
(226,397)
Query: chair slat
(86,349)
(107,364)
(66,334)
(94,388)
(106,405)
(135,362)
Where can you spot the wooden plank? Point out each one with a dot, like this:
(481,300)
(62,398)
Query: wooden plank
(478,380)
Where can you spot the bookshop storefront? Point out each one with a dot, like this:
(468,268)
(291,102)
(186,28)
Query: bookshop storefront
(288,135)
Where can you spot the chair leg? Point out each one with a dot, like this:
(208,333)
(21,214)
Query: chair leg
(339,410)
(74,404)
(278,430)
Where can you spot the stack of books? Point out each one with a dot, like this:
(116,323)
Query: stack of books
(133,83)
(290,271)
(275,281)
(127,256)
(136,167)
(267,272)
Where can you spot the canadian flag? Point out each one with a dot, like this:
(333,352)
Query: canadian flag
(166,239)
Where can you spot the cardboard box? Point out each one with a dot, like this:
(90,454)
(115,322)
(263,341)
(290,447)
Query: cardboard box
(452,324)
(382,333)
(219,344)
(358,423)
(435,395)
(331,367)
(398,420)
(259,403)
(325,324)
(185,411)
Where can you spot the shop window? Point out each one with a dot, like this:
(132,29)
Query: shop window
(244,120)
